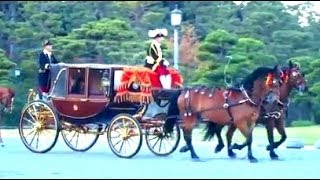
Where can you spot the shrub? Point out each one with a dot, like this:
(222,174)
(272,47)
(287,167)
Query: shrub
(300,123)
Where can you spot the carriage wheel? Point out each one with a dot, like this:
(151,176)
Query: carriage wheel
(80,137)
(124,136)
(38,127)
(159,141)
(31,96)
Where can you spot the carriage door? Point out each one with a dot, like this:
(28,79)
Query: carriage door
(76,104)
(76,83)
(99,83)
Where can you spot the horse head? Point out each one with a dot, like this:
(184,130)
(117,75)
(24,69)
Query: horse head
(272,85)
(263,84)
(7,99)
(294,77)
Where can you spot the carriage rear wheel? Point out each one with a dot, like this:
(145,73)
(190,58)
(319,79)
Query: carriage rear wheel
(38,126)
(80,137)
(160,141)
(124,136)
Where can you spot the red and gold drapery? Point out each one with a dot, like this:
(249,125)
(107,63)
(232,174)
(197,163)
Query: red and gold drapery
(147,81)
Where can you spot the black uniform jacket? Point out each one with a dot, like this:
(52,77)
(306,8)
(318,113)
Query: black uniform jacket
(43,72)
(154,53)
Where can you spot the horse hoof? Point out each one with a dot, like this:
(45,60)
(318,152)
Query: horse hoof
(184,149)
(232,155)
(236,146)
(218,148)
(195,159)
(268,147)
(274,157)
(253,160)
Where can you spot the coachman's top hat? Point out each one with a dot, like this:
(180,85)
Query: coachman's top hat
(158,33)
(46,43)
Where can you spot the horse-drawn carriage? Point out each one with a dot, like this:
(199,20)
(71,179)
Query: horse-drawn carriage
(89,100)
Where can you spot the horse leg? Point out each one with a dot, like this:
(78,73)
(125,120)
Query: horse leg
(229,134)
(279,124)
(270,147)
(187,134)
(220,145)
(246,130)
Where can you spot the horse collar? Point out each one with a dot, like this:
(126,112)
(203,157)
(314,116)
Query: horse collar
(244,92)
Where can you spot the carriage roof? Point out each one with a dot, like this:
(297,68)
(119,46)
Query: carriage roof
(92,65)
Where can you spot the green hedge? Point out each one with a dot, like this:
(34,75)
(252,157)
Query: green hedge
(301,123)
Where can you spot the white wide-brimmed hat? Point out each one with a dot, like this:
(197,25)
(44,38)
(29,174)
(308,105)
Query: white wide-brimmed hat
(158,33)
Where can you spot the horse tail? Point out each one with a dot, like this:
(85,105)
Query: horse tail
(210,130)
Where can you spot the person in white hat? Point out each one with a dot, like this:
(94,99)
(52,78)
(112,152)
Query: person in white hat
(155,60)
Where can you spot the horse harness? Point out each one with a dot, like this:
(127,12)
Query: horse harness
(226,105)
(277,114)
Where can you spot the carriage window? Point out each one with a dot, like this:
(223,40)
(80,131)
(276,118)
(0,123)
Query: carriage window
(99,82)
(117,78)
(76,81)
(59,87)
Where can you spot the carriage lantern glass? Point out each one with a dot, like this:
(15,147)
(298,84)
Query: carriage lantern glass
(17,72)
(176,16)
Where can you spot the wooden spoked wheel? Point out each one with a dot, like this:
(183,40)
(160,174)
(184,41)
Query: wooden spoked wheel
(80,137)
(38,126)
(33,95)
(124,136)
(161,141)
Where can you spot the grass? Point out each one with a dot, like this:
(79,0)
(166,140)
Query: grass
(308,134)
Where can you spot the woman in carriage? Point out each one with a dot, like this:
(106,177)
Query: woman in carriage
(155,60)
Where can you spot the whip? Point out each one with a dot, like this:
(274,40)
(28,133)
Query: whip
(225,71)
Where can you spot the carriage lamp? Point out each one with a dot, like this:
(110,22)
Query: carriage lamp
(17,72)
(176,17)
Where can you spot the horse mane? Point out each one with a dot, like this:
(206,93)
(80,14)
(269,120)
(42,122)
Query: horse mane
(249,80)
(10,91)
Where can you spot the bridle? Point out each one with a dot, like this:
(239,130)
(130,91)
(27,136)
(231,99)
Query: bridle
(285,79)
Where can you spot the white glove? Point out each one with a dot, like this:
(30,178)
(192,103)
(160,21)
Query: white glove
(165,62)
(150,60)
(46,66)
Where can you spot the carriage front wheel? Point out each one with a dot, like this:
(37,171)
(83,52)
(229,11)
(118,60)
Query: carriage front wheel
(38,126)
(33,95)
(160,140)
(124,136)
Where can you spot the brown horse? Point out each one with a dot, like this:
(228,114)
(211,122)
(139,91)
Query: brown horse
(292,78)
(240,107)
(6,101)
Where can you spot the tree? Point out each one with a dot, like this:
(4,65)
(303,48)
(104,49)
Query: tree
(113,41)
(5,66)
